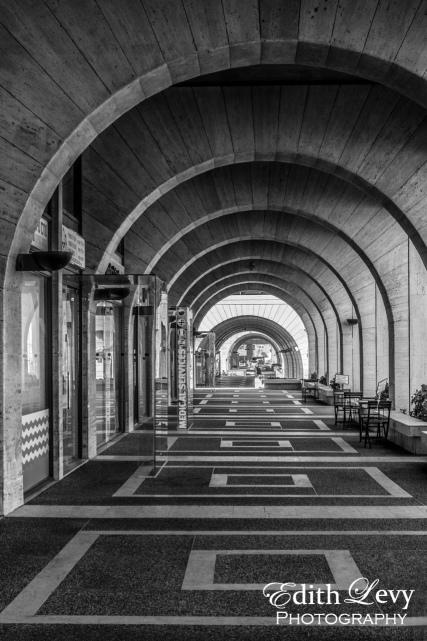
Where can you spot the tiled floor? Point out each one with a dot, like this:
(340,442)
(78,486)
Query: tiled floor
(183,548)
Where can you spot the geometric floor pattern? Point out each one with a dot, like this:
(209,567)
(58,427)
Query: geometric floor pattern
(262,489)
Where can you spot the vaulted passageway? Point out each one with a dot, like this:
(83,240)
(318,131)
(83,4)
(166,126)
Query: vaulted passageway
(168,168)
(262,488)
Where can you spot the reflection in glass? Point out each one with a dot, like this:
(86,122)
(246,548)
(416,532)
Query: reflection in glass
(70,366)
(108,364)
(33,336)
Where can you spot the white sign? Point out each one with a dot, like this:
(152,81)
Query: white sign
(41,235)
(73,242)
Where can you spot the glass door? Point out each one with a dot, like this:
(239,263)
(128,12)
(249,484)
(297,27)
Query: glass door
(70,376)
(108,370)
(142,336)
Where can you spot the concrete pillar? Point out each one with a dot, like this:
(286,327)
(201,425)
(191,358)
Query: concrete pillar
(56,283)
(12,486)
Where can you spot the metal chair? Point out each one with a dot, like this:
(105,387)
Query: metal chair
(351,406)
(339,405)
(363,412)
(376,419)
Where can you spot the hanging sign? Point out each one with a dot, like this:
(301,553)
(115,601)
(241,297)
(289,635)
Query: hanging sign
(181,346)
(73,242)
(41,235)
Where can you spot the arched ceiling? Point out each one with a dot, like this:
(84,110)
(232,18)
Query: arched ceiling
(59,94)
(253,339)
(340,279)
(278,334)
(229,345)
(277,288)
(297,135)
(248,323)
(329,151)
(283,278)
(263,305)
(294,264)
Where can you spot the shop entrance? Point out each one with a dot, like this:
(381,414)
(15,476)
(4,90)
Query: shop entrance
(35,344)
(70,376)
(109,368)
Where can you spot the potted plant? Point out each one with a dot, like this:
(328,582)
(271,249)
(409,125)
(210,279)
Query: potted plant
(384,395)
(334,384)
(322,380)
(419,403)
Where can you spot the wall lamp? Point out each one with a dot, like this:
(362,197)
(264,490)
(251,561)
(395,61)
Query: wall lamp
(43,261)
(111,293)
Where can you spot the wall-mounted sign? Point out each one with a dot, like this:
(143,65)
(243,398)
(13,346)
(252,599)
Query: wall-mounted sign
(341,379)
(41,235)
(181,347)
(73,242)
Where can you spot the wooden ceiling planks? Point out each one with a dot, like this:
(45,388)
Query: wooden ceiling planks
(369,139)
(134,33)
(85,24)
(282,274)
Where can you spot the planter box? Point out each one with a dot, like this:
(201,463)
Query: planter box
(282,383)
(326,394)
(408,432)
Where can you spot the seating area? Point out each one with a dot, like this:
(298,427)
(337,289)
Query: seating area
(372,416)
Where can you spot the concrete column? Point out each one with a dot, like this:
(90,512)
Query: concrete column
(128,338)
(88,399)
(417,285)
(11,478)
(56,342)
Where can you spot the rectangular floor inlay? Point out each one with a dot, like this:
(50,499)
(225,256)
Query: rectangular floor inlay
(200,571)
(223,480)
(199,566)
(256,443)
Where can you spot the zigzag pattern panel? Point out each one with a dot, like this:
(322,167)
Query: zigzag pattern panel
(35,435)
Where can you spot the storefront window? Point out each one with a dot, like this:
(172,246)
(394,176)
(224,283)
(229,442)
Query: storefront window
(34,347)
(70,365)
(35,434)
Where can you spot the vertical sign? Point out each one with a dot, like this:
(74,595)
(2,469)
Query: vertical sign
(182,345)
(41,235)
(72,241)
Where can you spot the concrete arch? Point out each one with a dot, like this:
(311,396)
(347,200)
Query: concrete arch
(271,228)
(64,94)
(158,79)
(295,261)
(266,326)
(314,323)
(320,331)
(266,277)
(322,191)
(312,316)
(250,337)
(261,337)
(358,303)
